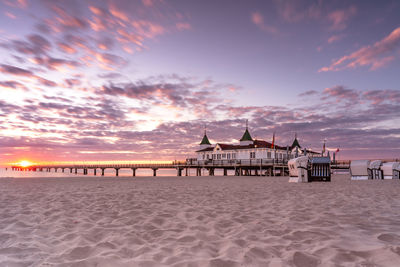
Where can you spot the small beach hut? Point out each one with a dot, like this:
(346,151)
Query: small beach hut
(396,172)
(359,169)
(375,169)
(388,169)
(298,170)
(320,169)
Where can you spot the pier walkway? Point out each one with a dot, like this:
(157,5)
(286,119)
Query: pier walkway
(240,167)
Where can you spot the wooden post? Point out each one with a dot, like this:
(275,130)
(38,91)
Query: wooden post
(95,171)
(154,171)
(133,171)
(102,171)
(116,171)
(225,172)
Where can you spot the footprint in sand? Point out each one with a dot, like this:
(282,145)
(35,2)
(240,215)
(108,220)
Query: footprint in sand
(390,238)
(301,259)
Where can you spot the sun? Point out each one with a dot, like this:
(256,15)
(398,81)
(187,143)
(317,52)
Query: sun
(24,163)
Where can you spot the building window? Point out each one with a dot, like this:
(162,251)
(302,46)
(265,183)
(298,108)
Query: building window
(269,154)
(252,155)
(228,156)
(204,156)
(213,156)
(224,156)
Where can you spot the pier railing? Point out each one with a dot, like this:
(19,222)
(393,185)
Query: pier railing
(237,162)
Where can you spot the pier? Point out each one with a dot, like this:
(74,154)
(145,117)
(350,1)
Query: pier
(256,167)
(240,167)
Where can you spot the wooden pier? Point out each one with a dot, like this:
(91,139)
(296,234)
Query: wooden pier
(240,167)
(255,167)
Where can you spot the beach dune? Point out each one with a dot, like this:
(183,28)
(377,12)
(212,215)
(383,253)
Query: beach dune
(198,221)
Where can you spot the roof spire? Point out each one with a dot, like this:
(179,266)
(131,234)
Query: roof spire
(295,142)
(205,140)
(246,136)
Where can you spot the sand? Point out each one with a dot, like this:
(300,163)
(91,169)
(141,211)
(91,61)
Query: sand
(198,221)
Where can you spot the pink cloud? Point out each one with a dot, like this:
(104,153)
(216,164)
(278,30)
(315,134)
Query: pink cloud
(118,13)
(18,3)
(12,85)
(67,20)
(95,10)
(148,3)
(380,96)
(66,48)
(340,93)
(108,61)
(126,37)
(258,20)
(10,15)
(292,11)
(375,56)
(334,38)
(16,71)
(339,18)
(147,28)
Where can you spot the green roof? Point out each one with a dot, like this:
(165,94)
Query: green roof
(295,143)
(205,140)
(246,136)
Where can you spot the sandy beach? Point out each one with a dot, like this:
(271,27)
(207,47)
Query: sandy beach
(198,221)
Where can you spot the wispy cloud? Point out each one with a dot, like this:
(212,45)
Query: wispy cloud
(335,38)
(339,18)
(295,11)
(375,56)
(258,20)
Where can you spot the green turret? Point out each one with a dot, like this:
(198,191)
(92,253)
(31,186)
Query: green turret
(295,142)
(205,140)
(246,138)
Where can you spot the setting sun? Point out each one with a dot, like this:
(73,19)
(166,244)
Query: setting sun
(24,163)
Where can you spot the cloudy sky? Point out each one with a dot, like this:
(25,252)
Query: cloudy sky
(136,80)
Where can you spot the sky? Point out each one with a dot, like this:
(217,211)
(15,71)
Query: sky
(140,80)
